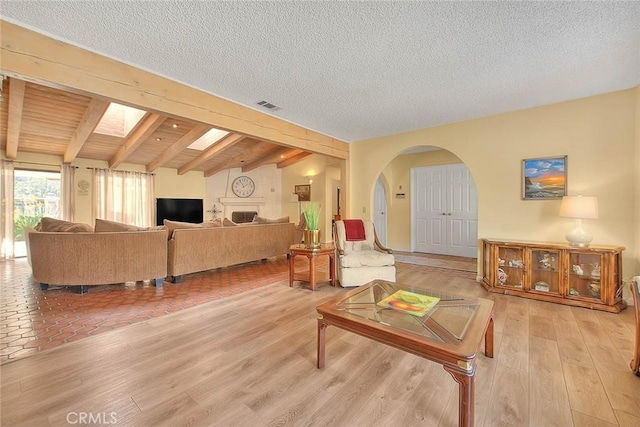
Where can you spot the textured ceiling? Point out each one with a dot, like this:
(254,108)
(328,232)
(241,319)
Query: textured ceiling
(356,70)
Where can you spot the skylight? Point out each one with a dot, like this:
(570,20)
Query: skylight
(119,120)
(208,139)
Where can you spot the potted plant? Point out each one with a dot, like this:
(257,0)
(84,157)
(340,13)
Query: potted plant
(311,232)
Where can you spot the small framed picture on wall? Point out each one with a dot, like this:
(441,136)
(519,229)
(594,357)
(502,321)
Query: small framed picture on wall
(544,178)
(303,192)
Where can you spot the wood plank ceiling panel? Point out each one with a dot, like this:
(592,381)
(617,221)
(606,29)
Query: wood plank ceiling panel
(50,119)
(100,147)
(168,135)
(250,147)
(180,159)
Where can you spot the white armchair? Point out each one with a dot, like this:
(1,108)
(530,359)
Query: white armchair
(361,261)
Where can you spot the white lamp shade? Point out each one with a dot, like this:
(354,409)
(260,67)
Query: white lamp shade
(579,207)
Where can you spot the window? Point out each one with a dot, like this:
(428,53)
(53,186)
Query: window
(35,194)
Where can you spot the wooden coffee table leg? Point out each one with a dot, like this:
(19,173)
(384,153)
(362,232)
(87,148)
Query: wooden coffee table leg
(312,272)
(291,268)
(466,392)
(488,338)
(322,327)
(332,269)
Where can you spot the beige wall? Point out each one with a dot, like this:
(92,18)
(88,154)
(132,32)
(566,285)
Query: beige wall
(324,171)
(598,134)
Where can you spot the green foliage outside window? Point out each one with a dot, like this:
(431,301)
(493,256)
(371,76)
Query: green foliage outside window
(24,221)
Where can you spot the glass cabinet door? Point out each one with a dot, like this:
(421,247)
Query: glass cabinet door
(545,271)
(584,275)
(511,267)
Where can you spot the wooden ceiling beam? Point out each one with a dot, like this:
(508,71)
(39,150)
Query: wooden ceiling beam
(90,120)
(273,156)
(14,119)
(175,148)
(145,128)
(32,56)
(224,143)
(293,159)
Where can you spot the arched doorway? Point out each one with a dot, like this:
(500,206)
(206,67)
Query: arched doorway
(380,211)
(401,208)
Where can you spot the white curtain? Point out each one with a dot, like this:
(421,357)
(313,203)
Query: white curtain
(6,215)
(124,196)
(67,193)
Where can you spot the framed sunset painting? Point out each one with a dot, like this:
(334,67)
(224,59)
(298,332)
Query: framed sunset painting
(544,178)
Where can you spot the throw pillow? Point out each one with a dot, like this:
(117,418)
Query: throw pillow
(174,225)
(105,226)
(57,225)
(227,222)
(261,220)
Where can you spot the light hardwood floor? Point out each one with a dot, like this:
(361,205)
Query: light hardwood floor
(250,359)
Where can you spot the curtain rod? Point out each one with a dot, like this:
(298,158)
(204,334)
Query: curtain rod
(36,163)
(118,170)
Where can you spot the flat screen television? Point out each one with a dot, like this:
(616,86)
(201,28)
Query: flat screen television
(185,210)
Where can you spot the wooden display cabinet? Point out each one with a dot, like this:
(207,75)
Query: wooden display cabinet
(584,277)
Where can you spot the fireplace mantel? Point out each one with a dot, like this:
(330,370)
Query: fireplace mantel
(243,201)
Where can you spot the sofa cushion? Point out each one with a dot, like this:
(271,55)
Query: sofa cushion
(106,226)
(210,224)
(262,220)
(57,225)
(366,259)
(227,223)
(175,225)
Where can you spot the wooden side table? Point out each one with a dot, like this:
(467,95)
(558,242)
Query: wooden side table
(312,254)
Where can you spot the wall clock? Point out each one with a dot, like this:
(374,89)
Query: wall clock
(243,186)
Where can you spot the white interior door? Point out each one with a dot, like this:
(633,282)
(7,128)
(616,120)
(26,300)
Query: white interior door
(430,207)
(445,211)
(462,212)
(380,211)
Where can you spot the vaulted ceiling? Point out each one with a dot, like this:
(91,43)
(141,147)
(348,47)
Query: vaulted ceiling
(45,120)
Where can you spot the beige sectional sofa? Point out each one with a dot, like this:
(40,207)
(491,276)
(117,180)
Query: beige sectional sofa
(204,248)
(70,254)
(86,258)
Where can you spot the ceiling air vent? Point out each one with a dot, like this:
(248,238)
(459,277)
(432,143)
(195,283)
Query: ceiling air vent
(269,106)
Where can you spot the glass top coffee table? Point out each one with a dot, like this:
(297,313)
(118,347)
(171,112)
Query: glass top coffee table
(445,328)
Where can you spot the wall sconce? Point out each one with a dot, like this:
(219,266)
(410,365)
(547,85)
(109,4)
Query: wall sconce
(579,207)
(310,174)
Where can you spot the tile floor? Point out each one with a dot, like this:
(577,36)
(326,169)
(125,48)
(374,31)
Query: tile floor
(32,320)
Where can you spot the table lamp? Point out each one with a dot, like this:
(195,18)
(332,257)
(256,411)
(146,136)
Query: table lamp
(579,207)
